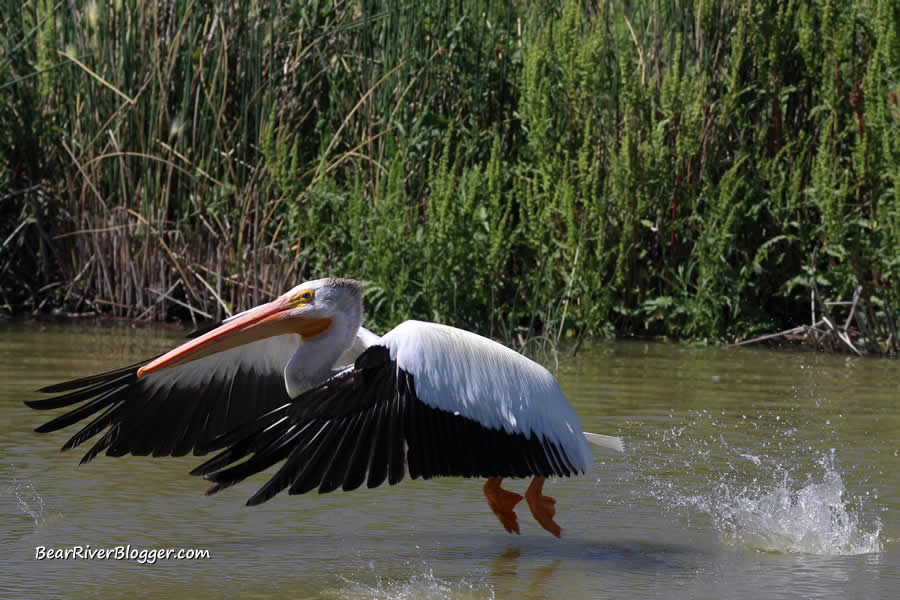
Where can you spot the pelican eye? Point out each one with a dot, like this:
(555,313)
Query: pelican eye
(305,297)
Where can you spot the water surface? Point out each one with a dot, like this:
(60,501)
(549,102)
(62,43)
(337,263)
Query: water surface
(748,473)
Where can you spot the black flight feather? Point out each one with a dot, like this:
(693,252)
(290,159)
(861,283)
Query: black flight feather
(366,425)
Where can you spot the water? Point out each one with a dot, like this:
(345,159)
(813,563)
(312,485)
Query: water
(747,474)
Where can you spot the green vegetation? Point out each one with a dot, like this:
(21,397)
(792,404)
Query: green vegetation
(661,168)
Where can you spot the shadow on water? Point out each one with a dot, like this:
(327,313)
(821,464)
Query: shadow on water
(625,555)
(527,569)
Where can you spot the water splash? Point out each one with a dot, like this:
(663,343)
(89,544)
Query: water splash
(423,585)
(28,500)
(782,515)
(754,496)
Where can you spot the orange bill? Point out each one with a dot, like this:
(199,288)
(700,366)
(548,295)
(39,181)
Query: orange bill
(264,321)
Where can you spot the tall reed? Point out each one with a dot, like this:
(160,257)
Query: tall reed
(528,171)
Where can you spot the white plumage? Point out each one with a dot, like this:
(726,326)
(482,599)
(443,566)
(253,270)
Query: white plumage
(469,375)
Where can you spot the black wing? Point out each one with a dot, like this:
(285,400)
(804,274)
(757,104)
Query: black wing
(365,425)
(177,410)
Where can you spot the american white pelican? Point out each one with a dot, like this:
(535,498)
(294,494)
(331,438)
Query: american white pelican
(299,380)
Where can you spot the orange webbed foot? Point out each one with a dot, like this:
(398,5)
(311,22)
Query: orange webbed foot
(502,502)
(542,507)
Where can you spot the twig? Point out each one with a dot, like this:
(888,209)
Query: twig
(856,294)
(768,336)
(136,286)
(158,300)
(841,335)
(110,229)
(846,339)
(237,281)
(84,174)
(189,173)
(813,288)
(211,290)
(77,277)
(219,282)
(346,120)
(21,192)
(95,76)
(889,313)
(13,234)
(183,304)
(169,252)
(862,322)
(568,290)
(579,339)
(640,50)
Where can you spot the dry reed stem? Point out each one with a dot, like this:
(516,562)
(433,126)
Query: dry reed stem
(96,76)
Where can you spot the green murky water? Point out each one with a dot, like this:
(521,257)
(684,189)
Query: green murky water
(748,474)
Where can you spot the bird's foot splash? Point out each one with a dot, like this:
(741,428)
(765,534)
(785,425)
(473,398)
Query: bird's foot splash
(502,502)
(542,507)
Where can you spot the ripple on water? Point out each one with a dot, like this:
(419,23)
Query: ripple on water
(422,585)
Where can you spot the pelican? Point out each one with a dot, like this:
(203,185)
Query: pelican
(299,381)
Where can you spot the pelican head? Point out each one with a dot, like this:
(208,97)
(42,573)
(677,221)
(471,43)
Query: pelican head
(325,312)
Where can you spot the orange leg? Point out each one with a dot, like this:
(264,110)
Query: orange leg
(542,507)
(502,503)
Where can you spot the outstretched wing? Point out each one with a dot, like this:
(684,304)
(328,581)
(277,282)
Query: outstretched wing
(428,399)
(175,411)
